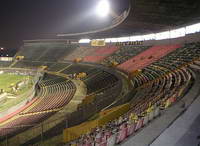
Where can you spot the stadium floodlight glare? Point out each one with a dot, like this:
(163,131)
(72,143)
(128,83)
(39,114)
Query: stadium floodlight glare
(103,8)
(84,41)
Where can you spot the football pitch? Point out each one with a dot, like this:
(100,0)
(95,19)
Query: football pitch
(8,80)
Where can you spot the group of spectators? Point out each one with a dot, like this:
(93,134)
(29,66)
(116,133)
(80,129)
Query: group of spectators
(119,129)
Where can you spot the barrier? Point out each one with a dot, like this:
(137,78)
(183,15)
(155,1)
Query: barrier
(113,113)
(127,126)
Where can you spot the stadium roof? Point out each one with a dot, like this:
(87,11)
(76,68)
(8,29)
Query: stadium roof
(147,16)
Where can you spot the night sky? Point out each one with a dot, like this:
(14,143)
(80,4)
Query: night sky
(35,19)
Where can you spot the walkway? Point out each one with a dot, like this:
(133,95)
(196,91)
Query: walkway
(184,131)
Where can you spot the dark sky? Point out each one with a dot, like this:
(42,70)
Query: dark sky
(34,19)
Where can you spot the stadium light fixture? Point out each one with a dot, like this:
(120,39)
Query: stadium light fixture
(103,8)
(84,41)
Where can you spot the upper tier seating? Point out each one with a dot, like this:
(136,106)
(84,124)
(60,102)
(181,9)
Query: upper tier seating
(100,54)
(45,51)
(28,64)
(77,68)
(32,51)
(5,63)
(57,53)
(124,54)
(171,62)
(80,52)
(51,66)
(57,66)
(147,57)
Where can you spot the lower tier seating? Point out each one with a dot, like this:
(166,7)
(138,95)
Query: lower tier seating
(21,123)
(145,106)
(99,82)
(54,93)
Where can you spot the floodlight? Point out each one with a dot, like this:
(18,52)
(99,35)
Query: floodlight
(103,8)
(84,41)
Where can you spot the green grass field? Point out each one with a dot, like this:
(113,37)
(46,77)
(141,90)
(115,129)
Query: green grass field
(6,80)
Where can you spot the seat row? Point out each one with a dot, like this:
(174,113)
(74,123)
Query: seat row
(145,106)
(53,95)
(157,87)
(45,51)
(58,93)
(100,81)
(147,57)
(100,54)
(123,54)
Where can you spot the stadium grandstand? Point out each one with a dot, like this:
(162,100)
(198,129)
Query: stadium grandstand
(134,81)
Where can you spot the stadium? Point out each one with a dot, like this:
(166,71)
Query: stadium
(134,80)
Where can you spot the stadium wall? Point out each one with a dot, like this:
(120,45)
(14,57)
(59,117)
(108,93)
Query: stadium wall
(181,40)
(187,39)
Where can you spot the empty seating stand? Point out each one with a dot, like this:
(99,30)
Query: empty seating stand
(80,52)
(45,51)
(32,51)
(28,64)
(5,63)
(57,52)
(100,54)
(124,53)
(54,93)
(100,81)
(58,66)
(77,68)
(147,57)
